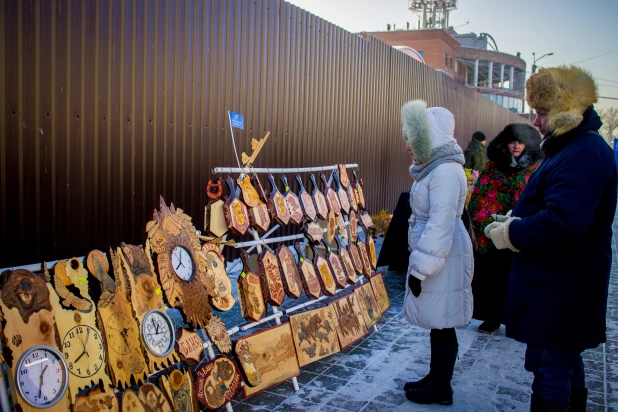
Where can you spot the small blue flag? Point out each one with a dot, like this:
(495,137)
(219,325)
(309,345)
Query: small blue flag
(237,120)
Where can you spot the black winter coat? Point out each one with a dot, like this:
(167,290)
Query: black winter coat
(558,284)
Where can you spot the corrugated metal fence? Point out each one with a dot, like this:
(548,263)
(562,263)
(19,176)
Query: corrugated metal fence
(105,105)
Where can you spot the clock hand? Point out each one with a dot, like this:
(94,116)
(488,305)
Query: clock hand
(155,326)
(41,380)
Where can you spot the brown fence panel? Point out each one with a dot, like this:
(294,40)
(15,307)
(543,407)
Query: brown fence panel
(105,105)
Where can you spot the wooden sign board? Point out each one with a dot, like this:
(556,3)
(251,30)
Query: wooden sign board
(350,322)
(314,334)
(267,358)
(369,305)
(379,291)
(189,346)
(217,382)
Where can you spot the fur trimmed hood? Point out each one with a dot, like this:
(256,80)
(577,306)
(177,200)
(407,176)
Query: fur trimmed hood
(499,153)
(565,92)
(426,129)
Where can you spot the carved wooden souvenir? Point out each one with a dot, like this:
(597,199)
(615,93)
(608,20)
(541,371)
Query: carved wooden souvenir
(325,274)
(182,266)
(221,294)
(343,176)
(332,201)
(269,354)
(350,322)
(353,226)
(356,257)
(321,208)
(259,217)
(315,335)
(362,251)
(216,219)
(379,291)
(82,343)
(249,194)
(217,382)
(217,332)
(276,204)
(366,222)
(115,318)
(270,275)
(308,274)
(306,201)
(351,193)
(371,252)
(336,266)
(358,187)
(341,229)
(250,295)
(147,295)
(180,391)
(331,226)
(97,401)
(291,279)
(235,211)
(347,262)
(369,305)
(189,346)
(29,322)
(342,194)
(292,202)
(130,402)
(214,190)
(152,399)
(314,232)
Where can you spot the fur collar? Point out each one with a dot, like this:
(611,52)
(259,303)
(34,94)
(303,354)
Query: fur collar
(499,153)
(553,143)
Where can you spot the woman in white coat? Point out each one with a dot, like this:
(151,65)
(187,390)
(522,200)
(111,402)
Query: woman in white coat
(439,293)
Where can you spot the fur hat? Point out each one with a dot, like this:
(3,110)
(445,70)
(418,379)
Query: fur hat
(480,136)
(565,93)
(498,150)
(425,129)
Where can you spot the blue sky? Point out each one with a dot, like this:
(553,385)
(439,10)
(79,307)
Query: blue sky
(573,30)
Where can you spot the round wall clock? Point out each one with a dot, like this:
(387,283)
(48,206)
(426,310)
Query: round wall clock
(120,338)
(41,376)
(182,263)
(83,351)
(158,332)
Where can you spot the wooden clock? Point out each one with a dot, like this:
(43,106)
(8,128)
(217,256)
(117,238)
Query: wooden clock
(147,298)
(28,319)
(82,343)
(182,266)
(41,376)
(115,318)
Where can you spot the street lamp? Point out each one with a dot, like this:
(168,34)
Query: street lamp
(536,60)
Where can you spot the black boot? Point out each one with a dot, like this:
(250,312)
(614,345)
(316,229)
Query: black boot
(424,381)
(579,399)
(438,389)
(536,405)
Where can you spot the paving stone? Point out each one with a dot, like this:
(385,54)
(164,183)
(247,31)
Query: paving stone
(378,407)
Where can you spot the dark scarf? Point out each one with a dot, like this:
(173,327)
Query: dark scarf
(552,144)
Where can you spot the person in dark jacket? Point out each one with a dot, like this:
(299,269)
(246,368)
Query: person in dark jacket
(475,152)
(560,232)
(513,156)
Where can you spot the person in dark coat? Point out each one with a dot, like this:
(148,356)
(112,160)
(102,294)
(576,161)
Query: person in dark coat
(475,152)
(513,156)
(560,232)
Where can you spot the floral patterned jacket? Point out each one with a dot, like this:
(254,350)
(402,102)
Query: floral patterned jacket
(495,192)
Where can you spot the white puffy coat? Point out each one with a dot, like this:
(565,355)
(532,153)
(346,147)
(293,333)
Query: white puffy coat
(441,250)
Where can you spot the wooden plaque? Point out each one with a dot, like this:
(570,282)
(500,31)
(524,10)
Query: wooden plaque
(277,204)
(352,198)
(369,305)
(217,226)
(214,190)
(331,197)
(29,321)
(122,334)
(221,295)
(217,332)
(325,273)
(250,295)
(180,390)
(95,400)
(341,229)
(314,232)
(259,216)
(270,275)
(366,222)
(350,322)
(321,208)
(336,266)
(342,194)
(371,252)
(189,346)
(353,226)
(182,266)
(81,340)
(217,382)
(358,187)
(131,403)
(332,226)
(152,399)
(362,251)
(306,201)
(293,203)
(291,279)
(308,274)
(249,194)
(343,176)
(379,291)
(235,211)
(314,334)
(347,262)
(146,293)
(269,355)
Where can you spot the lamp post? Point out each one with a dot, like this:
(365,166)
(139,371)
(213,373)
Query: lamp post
(534,67)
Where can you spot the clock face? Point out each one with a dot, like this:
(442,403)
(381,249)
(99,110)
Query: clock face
(158,332)
(182,262)
(83,351)
(122,335)
(41,376)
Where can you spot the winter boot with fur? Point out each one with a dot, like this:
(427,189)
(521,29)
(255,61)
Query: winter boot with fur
(438,388)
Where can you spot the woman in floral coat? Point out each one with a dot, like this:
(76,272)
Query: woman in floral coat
(513,156)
